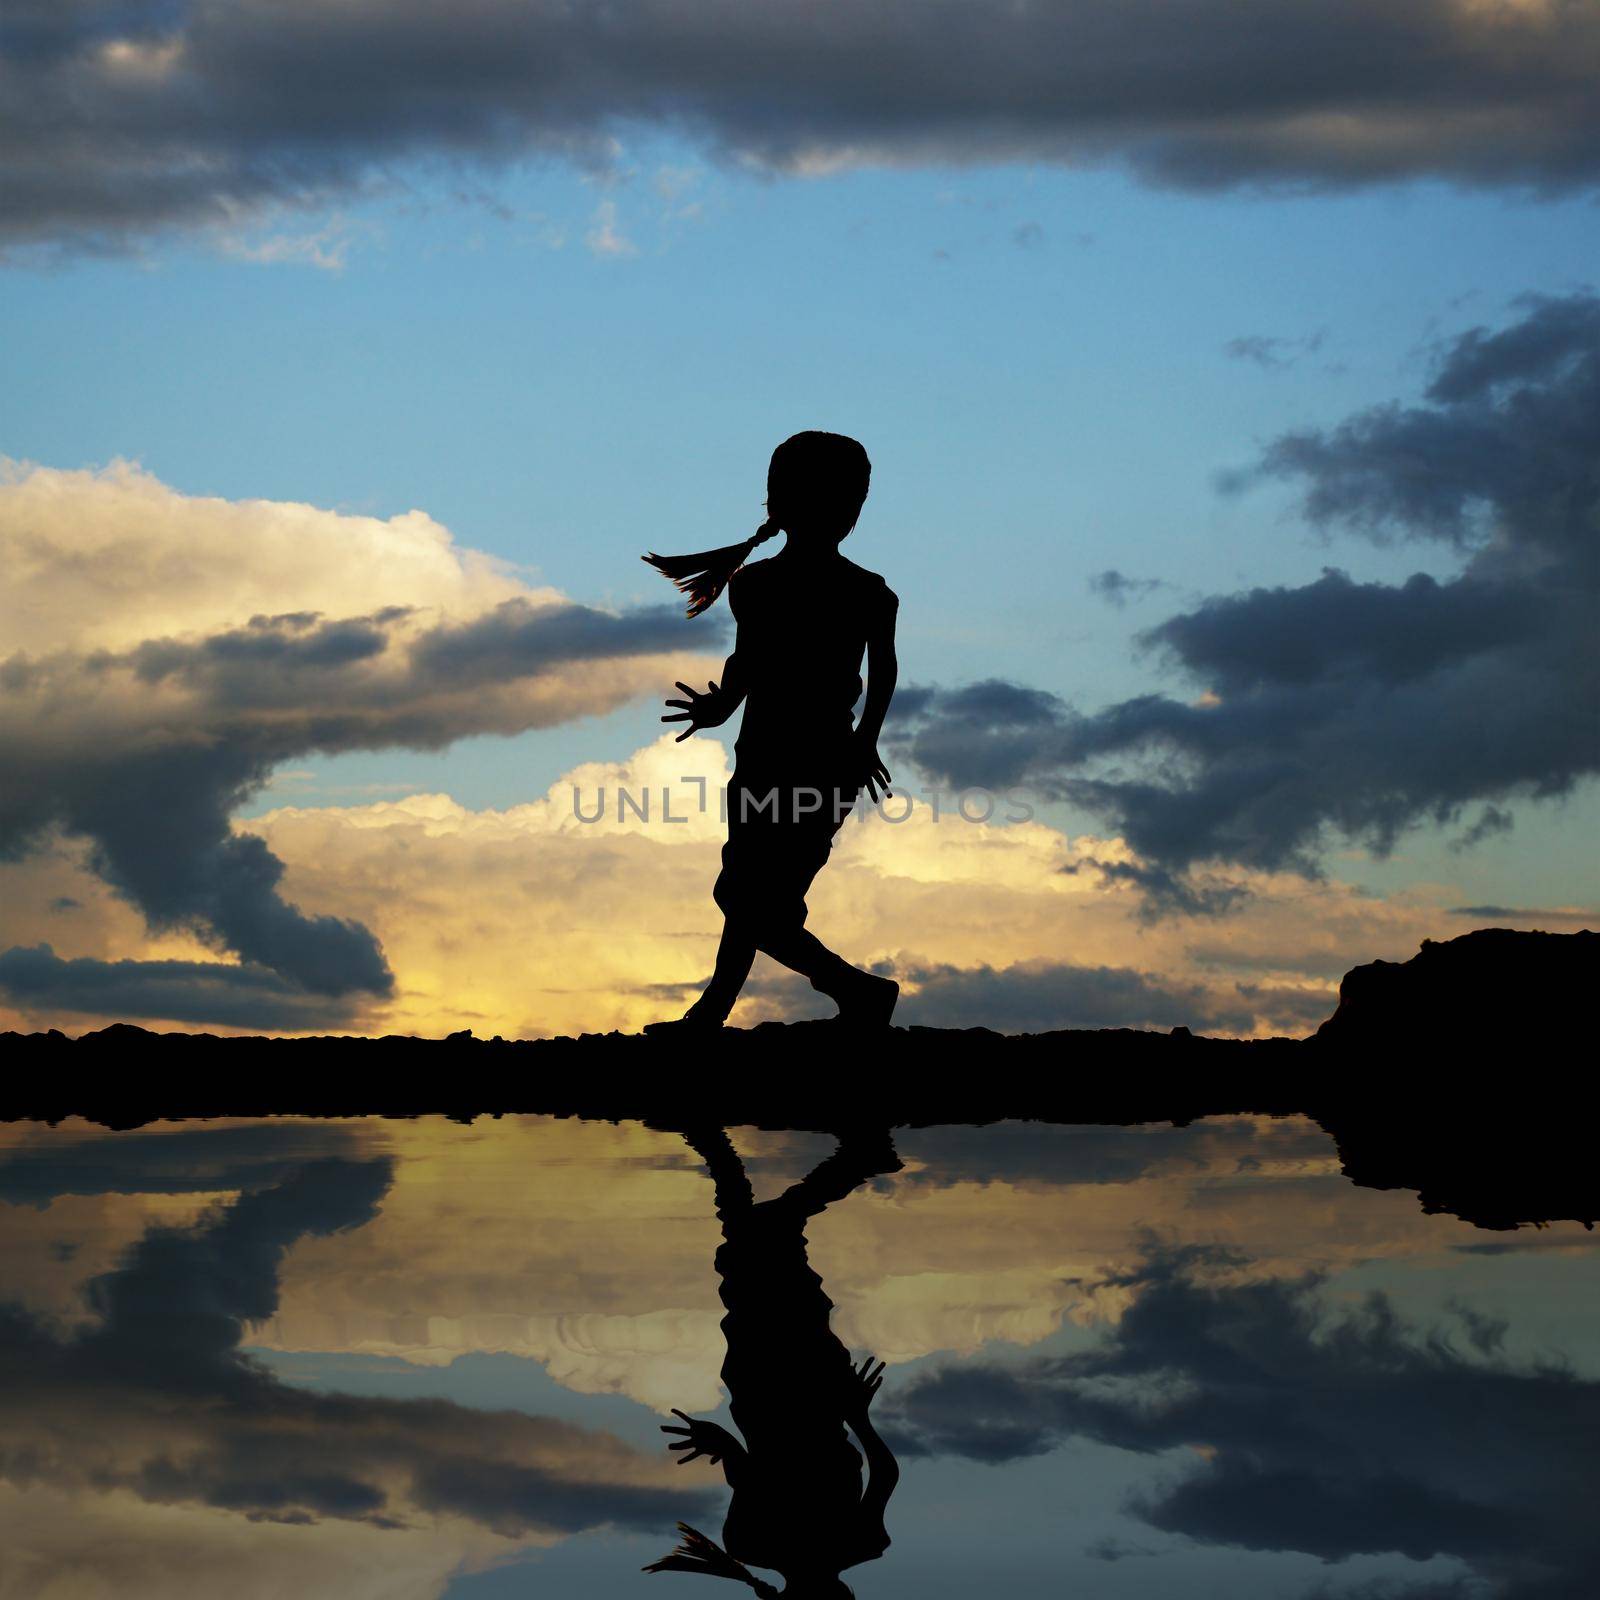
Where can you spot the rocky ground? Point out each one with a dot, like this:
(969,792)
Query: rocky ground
(1459,1073)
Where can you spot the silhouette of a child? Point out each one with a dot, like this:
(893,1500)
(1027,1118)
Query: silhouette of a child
(806,618)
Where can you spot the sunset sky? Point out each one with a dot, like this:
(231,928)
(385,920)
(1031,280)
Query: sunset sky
(1231,378)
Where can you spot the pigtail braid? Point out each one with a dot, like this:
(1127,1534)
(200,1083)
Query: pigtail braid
(699,1554)
(705,575)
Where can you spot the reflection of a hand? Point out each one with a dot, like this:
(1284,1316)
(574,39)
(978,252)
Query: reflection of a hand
(708,1439)
(863,1383)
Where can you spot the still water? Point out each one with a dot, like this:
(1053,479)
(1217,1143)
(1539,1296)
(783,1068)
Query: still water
(396,1359)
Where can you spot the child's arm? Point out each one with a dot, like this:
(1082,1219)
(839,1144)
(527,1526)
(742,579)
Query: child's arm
(712,1441)
(883,1471)
(883,671)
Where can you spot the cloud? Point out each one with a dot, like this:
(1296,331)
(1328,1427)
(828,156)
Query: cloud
(620,915)
(1116,589)
(604,237)
(963,1247)
(126,118)
(562,916)
(1330,1435)
(1069,1155)
(1536,914)
(326,248)
(1270,352)
(186,1161)
(155,1399)
(1037,996)
(1350,708)
(116,1543)
(173,651)
(238,995)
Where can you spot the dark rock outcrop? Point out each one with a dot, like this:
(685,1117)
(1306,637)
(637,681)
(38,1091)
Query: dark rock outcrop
(1493,988)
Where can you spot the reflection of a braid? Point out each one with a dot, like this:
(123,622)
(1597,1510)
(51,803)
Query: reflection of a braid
(797,1506)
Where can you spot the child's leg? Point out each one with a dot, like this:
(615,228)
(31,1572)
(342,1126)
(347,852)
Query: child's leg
(862,1153)
(736,951)
(793,859)
(715,1148)
(735,954)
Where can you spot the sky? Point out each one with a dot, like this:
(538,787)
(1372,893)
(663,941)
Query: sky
(1231,379)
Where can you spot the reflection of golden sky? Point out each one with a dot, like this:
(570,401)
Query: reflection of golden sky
(75,1546)
(588,1247)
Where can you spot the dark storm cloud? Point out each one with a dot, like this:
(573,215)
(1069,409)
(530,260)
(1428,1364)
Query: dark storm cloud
(983,735)
(187,1161)
(1036,997)
(199,726)
(517,638)
(213,992)
(156,1398)
(1349,707)
(1330,1436)
(125,116)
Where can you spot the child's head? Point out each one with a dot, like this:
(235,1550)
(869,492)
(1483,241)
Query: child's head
(816,485)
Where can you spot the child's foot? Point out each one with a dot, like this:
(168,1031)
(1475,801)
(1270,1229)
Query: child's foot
(694,1021)
(868,1001)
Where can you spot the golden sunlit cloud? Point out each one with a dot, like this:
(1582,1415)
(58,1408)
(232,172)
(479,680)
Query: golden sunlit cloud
(574,913)
(168,652)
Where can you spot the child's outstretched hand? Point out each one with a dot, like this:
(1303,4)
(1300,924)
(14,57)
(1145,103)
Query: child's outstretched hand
(709,710)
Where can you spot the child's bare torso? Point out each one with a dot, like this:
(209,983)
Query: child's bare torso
(803,631)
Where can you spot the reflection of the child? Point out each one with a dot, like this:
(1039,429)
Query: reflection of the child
(798,1506)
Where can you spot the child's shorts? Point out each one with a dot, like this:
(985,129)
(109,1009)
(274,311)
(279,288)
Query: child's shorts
(779,838)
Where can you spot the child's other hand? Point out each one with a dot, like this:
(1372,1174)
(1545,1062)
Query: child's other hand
(870,772)
(700,710)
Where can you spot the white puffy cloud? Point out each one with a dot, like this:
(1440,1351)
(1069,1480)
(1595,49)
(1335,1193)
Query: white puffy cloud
(109,558)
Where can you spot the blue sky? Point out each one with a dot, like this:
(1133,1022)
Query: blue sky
(1038,360)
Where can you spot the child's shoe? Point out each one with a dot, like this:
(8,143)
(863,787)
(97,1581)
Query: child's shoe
(697,1019)
(867,1001)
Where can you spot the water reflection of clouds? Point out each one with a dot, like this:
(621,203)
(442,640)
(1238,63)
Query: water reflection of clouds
(154,1400)
(1289,1423)
(1053,1290)
(613,1294)
(988,1234)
